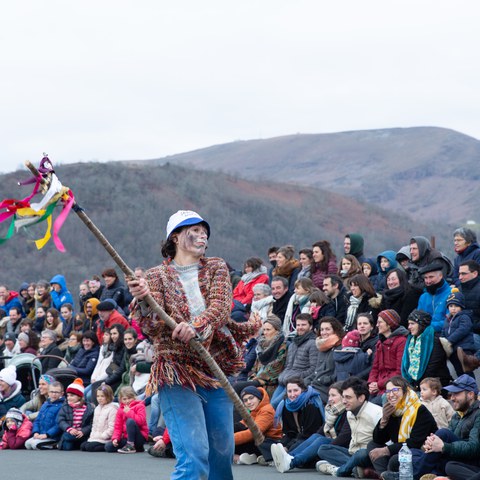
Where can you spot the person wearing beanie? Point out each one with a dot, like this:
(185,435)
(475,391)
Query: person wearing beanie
(18,429)
(388,355)
(466,247)
(109,316)
(257,402)
(75,417)
(424,355)
(196,291)
(10,390)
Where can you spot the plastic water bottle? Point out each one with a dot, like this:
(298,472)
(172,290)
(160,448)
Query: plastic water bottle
(406,466)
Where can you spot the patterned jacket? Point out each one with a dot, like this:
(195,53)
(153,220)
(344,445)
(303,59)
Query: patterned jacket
(174,362)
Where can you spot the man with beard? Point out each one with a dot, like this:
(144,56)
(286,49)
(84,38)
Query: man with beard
(334,289)
(460,441)
(434,298)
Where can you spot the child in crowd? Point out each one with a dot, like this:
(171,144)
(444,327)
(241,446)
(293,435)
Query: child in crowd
(75,417)
(10,390)
(163,445)
(458,329)
(18,429)
(46,431)
(131,430)
(430,394)
(103,421)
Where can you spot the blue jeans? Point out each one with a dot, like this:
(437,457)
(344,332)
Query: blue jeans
(345,462)
(201,428)
(307,451)
(277,396)
(155,413)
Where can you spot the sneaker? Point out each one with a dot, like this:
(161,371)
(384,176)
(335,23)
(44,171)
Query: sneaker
(281,458)
(247,459)
(326,468)
(127,449)
(392,475)
(156,453)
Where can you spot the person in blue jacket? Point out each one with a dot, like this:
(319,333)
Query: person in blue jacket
(466,247)
(46,432)
(434,297)
(86,358)
(60,293)
(386,261)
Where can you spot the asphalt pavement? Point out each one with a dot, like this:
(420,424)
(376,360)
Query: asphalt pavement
(76,465)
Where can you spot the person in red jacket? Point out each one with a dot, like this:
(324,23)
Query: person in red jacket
(108,317)
(131,430)
(254,273)
(18,429)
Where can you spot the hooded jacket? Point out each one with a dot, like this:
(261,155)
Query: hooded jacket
(356,246)
(62,297)
(263,417)
(382,274)
(388,358)
(46,421)
(15,439)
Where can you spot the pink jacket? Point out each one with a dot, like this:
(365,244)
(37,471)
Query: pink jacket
(15,439)
(136,412)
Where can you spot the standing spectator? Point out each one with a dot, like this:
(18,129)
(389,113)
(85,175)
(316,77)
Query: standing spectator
(324,262)
(466,247)
(333,287)
(287,266)
(66,313)
(109,317)
(349,267)
(353,244)
(43,297)
(9,299)
(114,289)
(305,257)
(281,295)
(95,286)
(60,293)
(361,299)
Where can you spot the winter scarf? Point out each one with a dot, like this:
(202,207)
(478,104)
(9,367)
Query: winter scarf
(267,350)
(326,344)
(308,396)
(352,311)
(418,352)
(407,408)
(248,277)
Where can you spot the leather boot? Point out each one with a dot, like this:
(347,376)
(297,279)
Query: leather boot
(469,362)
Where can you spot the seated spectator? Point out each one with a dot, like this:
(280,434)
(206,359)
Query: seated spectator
(300,414)
(362,298)
(10,390)
(54,323)
(50,355)
(353,244)
(254,273)
(163,445)
(349,357)
(12,347)
(91,315)
(349,267)
(370,270)
(298,303)
(73,345)
(13,324)
(46,431)
(42,296)
(329,337)
(68,321)
(368,343)
(281,295)
(18,429)
(362,417)
(320,306)
(305,257)
(131,430)
(333,287)
(388,356)
(114,290)
(257,402)
(9,299)
(109,316)
(324,262)
(24,342)
(130,340)
(424,355)
(458,330)
(38,397)
(29,302)
(287,266)
(103,421)
(336,431)
(302,356)
(262,301)
(399,295)
(75,417)
(466,247)
(385,263)
(404,420)
(40,317)
(105,358)
(83,294)
(431,397)
(460,441)
(85,360)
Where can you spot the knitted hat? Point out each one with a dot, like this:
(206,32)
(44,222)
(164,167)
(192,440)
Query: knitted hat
(23,336)
(251,390)
(15,414)
(9,375)
(76,387)
(456,298)
(47,378)
(351,339)
(424,319)
(274,321)
(107,305)
(391,317)
(183,218)
(10,336)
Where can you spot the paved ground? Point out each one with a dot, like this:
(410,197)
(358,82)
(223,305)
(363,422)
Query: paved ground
(56,465)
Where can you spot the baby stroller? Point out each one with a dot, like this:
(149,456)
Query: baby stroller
(62,373)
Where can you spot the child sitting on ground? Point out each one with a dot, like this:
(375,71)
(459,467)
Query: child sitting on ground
(18,429)
(430,394)
(75,417)
(131,430)
(103,421)
(46,432)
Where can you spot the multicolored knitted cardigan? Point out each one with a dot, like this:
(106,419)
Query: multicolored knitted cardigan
(174,361)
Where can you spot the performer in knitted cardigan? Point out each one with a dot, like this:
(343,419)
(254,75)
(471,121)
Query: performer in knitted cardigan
(196,292)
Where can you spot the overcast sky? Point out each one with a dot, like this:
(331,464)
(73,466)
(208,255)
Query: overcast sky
(115,80)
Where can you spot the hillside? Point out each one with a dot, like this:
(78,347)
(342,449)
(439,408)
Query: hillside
(131,204)
(429,173)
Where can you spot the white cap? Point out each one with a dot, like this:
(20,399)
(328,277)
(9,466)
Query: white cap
(183,218)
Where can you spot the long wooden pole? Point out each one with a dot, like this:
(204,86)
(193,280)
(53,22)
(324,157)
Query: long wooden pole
(151,302)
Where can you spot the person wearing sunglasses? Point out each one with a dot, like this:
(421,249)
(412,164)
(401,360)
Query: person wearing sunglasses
(404,420)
